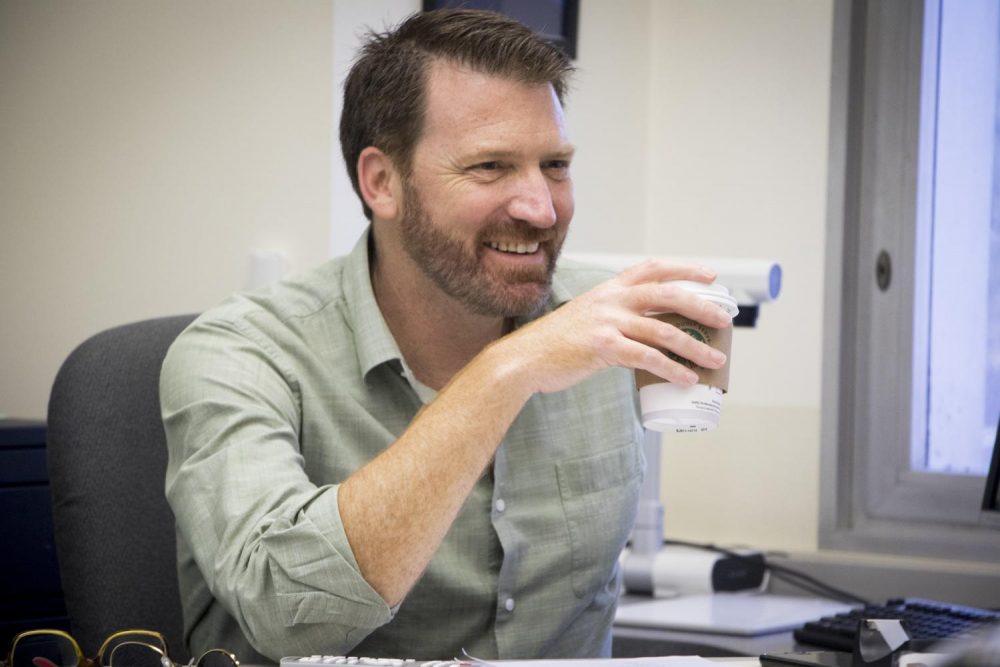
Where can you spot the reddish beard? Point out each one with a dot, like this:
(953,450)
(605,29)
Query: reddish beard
(460,271)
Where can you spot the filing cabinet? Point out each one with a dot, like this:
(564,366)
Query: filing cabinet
(30,588)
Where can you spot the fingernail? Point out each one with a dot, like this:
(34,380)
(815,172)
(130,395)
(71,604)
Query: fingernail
(690,377)
(718,357)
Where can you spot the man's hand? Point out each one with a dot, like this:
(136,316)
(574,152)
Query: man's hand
(610,326)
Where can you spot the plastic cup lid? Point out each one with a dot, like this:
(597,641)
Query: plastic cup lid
(714,292)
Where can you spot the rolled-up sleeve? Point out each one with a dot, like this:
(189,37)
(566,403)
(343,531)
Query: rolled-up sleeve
(268,541)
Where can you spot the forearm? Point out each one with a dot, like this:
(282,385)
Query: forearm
(397,509)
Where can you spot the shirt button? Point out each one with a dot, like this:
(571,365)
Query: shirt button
(500,505)
(508,604)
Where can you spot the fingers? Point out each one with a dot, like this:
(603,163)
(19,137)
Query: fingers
(610,326)
(657,270)
(652,298)
(667,337)
(639,356)
(648,289)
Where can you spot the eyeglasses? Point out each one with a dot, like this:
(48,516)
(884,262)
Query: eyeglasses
(142,654)
(128,648)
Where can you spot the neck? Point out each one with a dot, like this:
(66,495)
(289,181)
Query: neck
(436,334)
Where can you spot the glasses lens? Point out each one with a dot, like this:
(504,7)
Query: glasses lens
(217,658)
(148,637)
(135,654)
(44,650)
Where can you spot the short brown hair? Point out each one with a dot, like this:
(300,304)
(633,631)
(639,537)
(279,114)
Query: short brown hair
(384,96)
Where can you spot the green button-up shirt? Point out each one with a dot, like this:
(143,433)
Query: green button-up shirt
(274,398)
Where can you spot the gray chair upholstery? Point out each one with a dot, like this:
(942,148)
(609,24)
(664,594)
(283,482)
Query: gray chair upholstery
(107,458)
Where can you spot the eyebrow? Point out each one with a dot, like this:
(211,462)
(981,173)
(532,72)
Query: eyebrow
(563,152)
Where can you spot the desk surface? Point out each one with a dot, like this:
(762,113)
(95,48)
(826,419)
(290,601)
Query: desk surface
(633,641)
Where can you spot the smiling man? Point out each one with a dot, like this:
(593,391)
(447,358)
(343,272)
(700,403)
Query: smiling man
(430,445)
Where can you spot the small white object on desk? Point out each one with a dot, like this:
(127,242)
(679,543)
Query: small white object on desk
(672,661)
(355,661)
(728,613)
(923,659)
(668,661)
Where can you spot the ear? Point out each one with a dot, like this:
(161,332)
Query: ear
(379,183)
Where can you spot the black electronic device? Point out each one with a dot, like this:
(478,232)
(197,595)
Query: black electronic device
(926,621)
(30,588)
(991,493)
(807,659)
(554,20)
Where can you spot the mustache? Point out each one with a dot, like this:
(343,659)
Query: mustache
(516,230)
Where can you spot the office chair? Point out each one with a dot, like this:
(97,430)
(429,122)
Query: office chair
(107,457)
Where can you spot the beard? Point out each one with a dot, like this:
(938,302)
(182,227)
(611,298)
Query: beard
(460,272)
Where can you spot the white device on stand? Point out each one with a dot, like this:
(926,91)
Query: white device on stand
(651,568)
(750,281)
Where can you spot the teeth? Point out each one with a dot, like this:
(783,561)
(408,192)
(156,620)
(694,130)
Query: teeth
(517,248)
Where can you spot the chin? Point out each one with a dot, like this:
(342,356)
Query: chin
(520,301)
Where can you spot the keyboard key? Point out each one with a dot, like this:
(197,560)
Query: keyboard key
(926,621)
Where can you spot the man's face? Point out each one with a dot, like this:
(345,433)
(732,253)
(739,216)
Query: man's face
(489,199)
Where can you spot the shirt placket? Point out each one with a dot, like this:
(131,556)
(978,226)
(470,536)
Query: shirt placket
(506,600)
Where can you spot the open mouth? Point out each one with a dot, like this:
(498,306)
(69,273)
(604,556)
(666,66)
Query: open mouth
(519,248)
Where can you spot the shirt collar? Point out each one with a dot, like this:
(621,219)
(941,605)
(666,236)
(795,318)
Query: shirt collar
(372,339)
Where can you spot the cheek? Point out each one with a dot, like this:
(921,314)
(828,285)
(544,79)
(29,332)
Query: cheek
(473,209)
(455,204)
(563,201)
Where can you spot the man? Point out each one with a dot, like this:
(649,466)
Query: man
(430,445)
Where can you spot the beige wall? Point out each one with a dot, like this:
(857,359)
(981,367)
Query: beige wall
(702,129)
(607,114)
(737,151)
(146,150)
(351,19)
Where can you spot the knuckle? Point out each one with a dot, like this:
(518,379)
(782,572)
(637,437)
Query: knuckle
(652,358)
(676,339)
(609,291)
(668,290)
(604,338)
(669,332)
(649,263)
(677,297)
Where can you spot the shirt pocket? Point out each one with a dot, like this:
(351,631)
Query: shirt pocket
(600,494)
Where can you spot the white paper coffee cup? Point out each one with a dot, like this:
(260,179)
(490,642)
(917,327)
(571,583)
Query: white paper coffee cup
(690,408)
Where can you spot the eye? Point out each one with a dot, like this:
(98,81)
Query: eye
(556,168)
(489,171)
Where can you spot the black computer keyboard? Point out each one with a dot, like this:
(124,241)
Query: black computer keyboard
(926,621)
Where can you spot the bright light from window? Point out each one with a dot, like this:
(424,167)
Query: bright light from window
(961,265)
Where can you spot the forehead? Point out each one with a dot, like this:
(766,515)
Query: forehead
(471,110)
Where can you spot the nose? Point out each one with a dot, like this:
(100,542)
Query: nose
(532,200)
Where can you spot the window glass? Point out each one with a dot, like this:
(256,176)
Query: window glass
(962,257)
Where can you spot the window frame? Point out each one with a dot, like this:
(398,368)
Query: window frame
(870,500)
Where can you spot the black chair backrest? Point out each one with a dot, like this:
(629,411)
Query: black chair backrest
(107,458)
